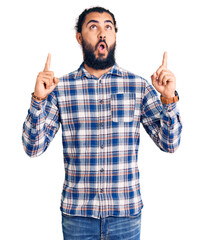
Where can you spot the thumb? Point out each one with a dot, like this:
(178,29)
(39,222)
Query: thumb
(154,77)
(56,81)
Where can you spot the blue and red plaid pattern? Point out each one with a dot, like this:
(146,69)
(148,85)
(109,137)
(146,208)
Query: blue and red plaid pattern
(100,120)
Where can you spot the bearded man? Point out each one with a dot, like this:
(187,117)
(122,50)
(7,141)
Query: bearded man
(100,107)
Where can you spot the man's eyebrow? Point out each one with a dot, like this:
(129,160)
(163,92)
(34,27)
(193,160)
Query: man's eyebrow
(92,21)
(95,21)
(109,21)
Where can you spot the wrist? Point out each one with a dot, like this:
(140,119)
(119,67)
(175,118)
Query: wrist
(167,99)
(169,94)
(38,99)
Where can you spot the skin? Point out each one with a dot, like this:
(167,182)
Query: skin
(46,81)
(100,26)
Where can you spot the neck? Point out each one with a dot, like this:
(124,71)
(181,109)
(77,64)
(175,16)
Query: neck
(96,72)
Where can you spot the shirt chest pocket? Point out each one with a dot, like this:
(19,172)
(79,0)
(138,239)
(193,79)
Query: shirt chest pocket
(122,107)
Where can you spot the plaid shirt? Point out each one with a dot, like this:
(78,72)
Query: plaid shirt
(100,120)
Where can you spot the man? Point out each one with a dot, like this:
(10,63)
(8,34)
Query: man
(100,107)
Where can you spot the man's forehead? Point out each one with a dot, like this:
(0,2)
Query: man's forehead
(101,17)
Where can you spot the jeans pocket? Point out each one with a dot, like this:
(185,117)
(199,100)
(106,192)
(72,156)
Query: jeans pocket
(122,107)
(138,215)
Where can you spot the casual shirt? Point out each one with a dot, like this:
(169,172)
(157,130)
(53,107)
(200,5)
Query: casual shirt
(100,120)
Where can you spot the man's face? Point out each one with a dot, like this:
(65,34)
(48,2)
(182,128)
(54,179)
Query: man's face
(98,40)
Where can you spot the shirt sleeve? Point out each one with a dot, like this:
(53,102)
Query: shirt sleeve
(161,121)
(40,126)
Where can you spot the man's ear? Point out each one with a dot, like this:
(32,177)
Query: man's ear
(79,38)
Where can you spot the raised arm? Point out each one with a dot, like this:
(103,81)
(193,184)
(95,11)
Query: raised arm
(42,121)
(161,120)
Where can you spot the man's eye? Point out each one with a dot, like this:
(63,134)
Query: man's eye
(93,27)
(109,27)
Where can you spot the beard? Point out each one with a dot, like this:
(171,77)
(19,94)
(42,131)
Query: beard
(99,63)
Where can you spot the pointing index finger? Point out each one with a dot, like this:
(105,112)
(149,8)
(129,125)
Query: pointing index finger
(164,61)
(47,64)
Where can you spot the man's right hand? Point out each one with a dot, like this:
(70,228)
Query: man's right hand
(46,81)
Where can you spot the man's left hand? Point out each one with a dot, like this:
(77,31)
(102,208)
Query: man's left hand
(164,80)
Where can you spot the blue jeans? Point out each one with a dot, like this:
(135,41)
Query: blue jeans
(109,228)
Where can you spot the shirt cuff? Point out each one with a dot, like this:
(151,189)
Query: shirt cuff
(171,113)
(36,107)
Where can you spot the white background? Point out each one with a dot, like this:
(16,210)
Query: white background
(171,184)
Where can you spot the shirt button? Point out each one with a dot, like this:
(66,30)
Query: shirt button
(99,81)
(101,190)
(102,146)
(101,101)
(102,170)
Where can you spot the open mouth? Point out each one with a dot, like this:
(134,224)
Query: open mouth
(102,46)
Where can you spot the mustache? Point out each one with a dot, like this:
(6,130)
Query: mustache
(100,41)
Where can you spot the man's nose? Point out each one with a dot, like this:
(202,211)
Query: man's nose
(102,35)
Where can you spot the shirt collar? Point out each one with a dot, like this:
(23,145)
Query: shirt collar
(81,72)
